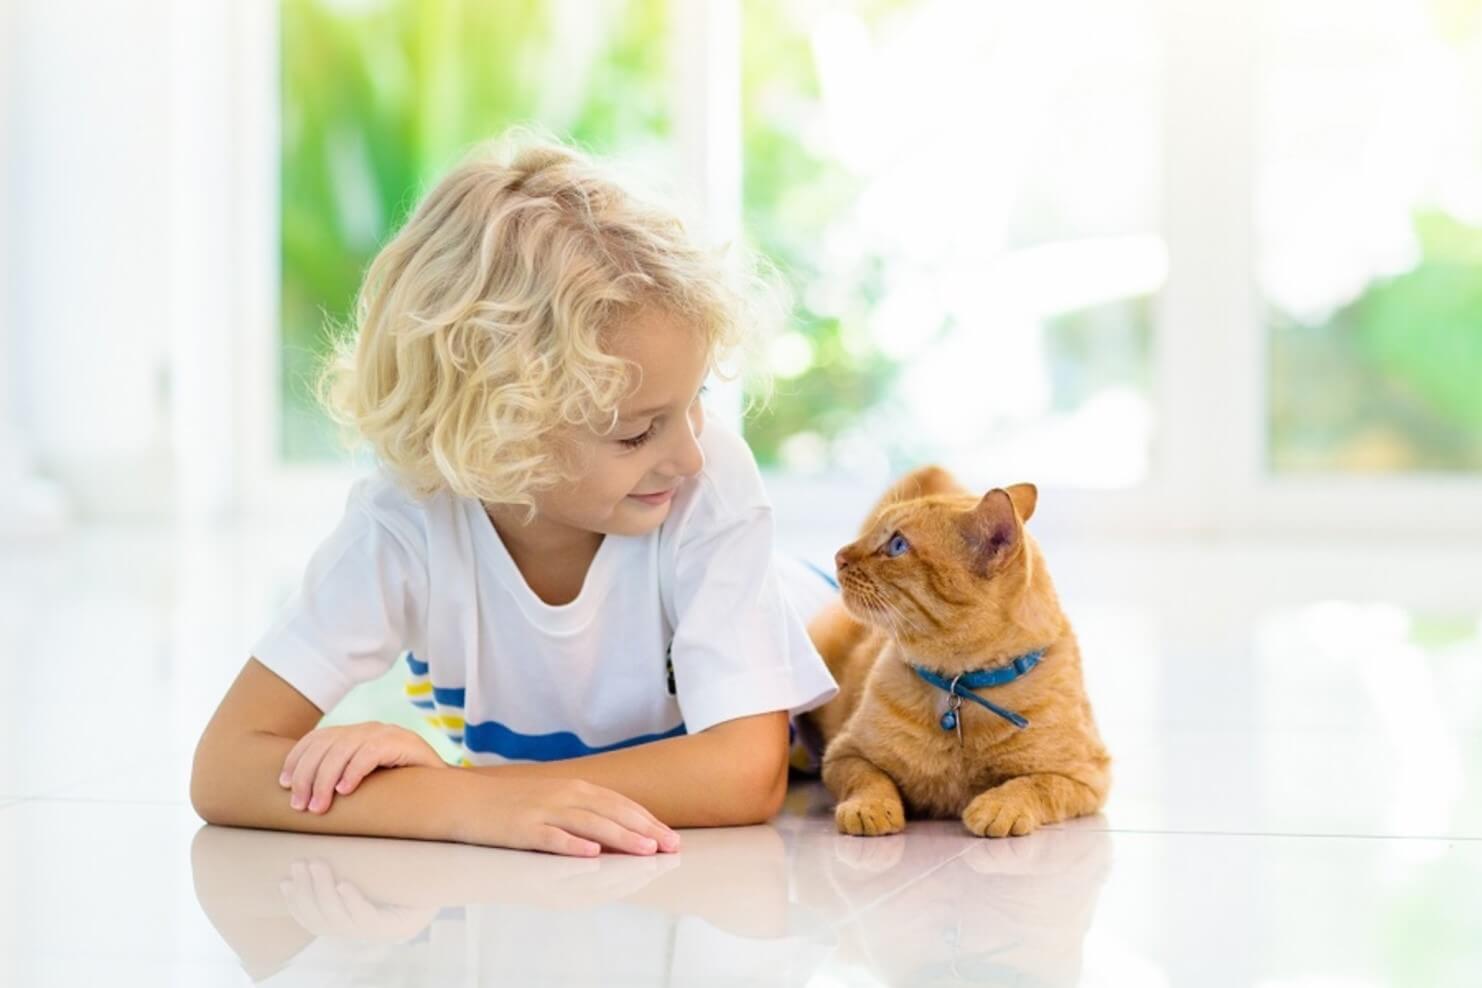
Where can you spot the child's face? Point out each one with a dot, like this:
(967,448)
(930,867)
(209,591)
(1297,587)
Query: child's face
(656,443)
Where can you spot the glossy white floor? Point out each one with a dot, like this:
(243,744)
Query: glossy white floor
(1298,801)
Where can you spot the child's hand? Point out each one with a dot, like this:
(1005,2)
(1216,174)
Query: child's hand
(334,760)
(567,816)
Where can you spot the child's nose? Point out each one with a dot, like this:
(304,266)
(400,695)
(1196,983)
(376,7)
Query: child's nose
(691,459)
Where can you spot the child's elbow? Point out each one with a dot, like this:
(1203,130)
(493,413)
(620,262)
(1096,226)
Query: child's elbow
(215,781)
(759,744)
(765,791)
(776,796)
(204,796)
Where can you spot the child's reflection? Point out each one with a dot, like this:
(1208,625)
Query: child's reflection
(271,894)
(327,906)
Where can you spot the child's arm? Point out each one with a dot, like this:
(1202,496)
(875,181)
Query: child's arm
(234,782)
(732,774)
(234,779)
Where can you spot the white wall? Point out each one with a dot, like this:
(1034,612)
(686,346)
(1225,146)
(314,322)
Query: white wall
(28,504)
(108,228)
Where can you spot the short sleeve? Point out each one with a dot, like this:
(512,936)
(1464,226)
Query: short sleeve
(739,647)
(353,613)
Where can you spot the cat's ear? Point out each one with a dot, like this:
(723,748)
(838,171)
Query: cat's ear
(991,529)
(1025,497)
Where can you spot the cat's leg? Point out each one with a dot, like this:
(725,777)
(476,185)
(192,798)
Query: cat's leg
(869,804)
(1021,804)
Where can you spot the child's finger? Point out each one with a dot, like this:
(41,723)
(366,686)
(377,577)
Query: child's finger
(558,841)
(331,767)
(634,815)
(290,761)
(641,822)
(306,769)
(607,831)
(364,763)
(657,824)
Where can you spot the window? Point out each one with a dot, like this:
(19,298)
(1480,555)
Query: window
(965,196)
(1195,267)
(1369,193)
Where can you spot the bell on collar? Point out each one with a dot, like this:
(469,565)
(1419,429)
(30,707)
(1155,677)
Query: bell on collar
(949,720)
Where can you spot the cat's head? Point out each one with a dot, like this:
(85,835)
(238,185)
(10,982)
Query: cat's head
(939,572)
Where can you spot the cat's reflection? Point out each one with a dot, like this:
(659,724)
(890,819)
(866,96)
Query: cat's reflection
(284,900)
(1006,911)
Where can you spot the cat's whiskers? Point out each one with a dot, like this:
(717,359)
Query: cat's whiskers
(915,625)
(901,618)
(885,614)
(869,598)
(894,616)
(895,620)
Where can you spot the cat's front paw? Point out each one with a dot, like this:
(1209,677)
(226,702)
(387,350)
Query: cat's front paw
(1000,813)
(864,817)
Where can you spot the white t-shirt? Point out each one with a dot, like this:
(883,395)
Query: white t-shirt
(512,678)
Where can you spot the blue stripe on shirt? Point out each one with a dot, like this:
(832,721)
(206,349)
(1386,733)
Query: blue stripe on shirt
(444,697)
(449,697)
(494,738)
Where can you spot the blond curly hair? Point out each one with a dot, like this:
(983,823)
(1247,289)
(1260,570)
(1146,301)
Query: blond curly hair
(478,327)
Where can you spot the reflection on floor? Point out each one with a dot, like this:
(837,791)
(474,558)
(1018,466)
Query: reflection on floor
(1297,800)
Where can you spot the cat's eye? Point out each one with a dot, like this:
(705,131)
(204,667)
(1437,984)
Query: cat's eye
(896,545)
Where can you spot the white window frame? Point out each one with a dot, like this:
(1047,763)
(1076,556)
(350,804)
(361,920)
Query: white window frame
(1209,471)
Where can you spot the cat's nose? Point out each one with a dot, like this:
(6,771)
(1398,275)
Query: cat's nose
(841,559)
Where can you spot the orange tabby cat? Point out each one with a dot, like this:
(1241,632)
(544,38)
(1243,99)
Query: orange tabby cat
(942,579)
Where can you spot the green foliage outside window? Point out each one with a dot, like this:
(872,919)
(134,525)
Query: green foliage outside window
(379,99)
(1393,380)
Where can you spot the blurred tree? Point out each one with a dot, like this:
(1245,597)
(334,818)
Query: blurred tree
(1393,380)
(792,193)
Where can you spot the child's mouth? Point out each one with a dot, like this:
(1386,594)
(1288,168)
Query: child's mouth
(658,498)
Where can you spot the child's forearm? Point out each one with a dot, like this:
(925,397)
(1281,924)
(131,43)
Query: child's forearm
(235,783)
(690,781)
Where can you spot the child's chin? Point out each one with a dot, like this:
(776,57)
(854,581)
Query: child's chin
(640,518)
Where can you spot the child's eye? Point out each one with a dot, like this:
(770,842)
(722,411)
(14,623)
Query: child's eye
(637,441)
(896,545)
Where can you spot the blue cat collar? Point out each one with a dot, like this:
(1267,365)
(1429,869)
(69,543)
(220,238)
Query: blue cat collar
(964,684)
